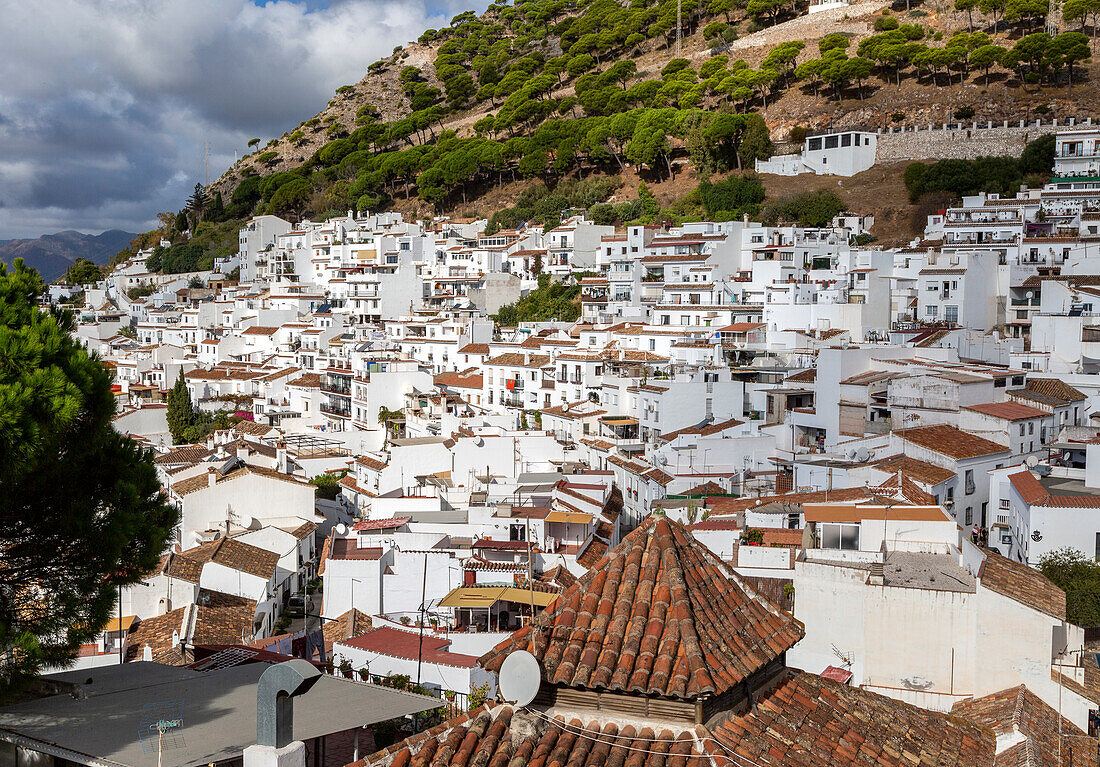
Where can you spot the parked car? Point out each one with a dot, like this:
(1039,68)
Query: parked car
(296,606)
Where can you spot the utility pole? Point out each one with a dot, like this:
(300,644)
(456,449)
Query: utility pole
(679,4)
(423,592)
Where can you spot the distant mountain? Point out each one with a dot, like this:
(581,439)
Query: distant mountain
(51,254)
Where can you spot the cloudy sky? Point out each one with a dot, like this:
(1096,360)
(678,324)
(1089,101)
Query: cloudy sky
(105,105)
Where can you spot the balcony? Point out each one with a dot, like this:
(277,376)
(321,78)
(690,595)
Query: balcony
(337,411)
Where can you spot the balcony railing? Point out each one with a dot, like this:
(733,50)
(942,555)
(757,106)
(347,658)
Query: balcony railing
(335,410)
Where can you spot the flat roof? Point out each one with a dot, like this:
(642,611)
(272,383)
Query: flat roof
(108,722)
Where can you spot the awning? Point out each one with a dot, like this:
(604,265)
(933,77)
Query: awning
(474,597)
(127,622)
(619,421)
(569,517)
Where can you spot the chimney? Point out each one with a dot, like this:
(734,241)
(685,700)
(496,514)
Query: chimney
(242,452)
(280,456)
(212,476)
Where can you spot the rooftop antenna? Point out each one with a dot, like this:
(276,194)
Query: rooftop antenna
(161,727)
(679,4)
(519,678)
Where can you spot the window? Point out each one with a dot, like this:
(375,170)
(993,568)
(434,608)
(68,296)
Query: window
(832,142)
(1031,428)
(1021,430)
(840,536)
(1004,504)
(969,481)
(969,516)
(846,139)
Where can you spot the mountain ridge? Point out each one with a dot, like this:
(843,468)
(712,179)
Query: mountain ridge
(51,254)
(504,76)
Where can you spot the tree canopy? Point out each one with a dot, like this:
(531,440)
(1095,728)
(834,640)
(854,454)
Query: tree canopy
(81,508)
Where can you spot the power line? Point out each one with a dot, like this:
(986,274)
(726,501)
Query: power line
(586,733)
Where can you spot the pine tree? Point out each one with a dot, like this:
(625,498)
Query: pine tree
(196,203)
(181,413)
(181,222)
(81,509)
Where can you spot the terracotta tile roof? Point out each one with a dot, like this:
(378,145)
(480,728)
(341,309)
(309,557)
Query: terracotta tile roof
(805,376)
(474,349)
(410,646)
(517,360)
(348,548)
(707,488)
(811,721)
(156,633)
(307,381)
(381,524)
(1022,584)
(501,735)
(558,576)
(236,555)
(1018,711)
(176,565)
(194,484)
(701,429)
(185,454)
(371,463)
(660,614)
(459,380)
(223,619)
(1034,494)
(840,494)
(1009,411)
(804,722)
(251,428)
(951,441)
(1054,388)
(306,528)
(259,330)
(350,624)
(921,471)
(592,551)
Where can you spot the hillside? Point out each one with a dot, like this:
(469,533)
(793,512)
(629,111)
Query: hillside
(51,254)
(551,90)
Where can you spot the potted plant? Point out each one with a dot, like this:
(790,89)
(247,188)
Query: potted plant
(345,668)
(364,675)
(753,536)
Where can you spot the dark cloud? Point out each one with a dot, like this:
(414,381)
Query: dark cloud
(106,106)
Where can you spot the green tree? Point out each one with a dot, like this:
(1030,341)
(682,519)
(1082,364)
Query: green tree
(328,485)
(993,8)
(82,272)
(181,413)
(1070,48)
(1081,10)
(81,511)
(968,6)
(985,57)
(1079,577)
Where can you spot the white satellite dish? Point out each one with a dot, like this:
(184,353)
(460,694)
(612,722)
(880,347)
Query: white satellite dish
(862,455)
(661,459)
(341,529)
(519,678)
(1031,461)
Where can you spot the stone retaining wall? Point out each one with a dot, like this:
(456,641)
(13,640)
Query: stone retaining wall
(966,142)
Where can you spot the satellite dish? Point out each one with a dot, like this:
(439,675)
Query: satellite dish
(661,459)
(519,678)
(341,529)
(1031,461)
(850,455)
(1030,294)
(246,521)
(862,455)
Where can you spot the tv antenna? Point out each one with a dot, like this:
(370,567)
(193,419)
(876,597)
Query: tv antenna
(161,728)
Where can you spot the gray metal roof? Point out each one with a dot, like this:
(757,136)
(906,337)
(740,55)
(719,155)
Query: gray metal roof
(102,724)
